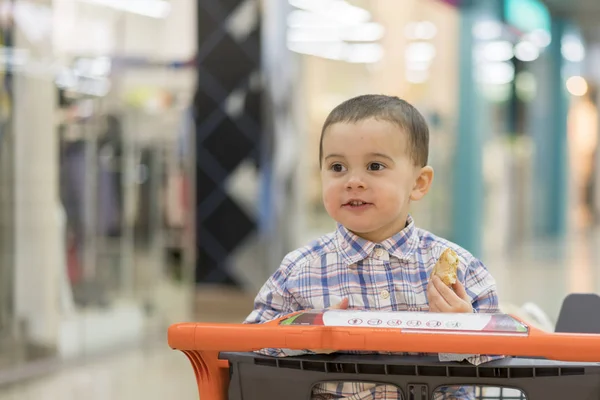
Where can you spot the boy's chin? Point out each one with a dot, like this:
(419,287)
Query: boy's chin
(360,229)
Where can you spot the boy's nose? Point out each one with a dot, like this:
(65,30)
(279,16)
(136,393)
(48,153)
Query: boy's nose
(355,182)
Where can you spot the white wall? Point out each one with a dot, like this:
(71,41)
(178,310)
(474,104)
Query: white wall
(39,251)
(82,28)
(592,74)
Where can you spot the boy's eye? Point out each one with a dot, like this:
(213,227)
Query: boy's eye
(375,166)
(337,167)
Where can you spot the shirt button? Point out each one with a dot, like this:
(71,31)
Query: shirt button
(384,294)
(379,252)
(352,266)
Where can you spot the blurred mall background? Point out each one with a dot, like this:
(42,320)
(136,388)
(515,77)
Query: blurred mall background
(158,158)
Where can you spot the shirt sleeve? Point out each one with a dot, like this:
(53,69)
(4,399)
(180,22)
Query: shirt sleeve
(274,301)
(481,288)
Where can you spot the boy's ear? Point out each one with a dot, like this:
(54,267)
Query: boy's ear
(422,183)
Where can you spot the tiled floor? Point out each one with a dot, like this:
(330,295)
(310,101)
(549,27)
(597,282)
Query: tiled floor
(543,273)
(155,373)
(547,271)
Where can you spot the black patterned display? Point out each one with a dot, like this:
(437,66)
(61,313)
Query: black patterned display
(225,65)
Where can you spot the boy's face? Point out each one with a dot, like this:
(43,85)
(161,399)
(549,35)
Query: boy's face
(369,178)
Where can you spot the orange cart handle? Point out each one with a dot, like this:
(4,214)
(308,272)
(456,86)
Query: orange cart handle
(215,337)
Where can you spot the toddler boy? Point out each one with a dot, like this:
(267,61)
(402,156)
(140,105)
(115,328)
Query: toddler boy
(373,157)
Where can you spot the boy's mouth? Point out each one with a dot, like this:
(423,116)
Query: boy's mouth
(356,204)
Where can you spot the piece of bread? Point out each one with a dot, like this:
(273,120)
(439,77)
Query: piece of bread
(446,267)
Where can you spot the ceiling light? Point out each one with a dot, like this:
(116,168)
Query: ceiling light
(527,51)
(577,86)
(147,8)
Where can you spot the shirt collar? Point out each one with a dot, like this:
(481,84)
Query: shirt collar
(354,248)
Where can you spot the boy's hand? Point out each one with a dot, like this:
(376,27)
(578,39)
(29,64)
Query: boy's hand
(442,299)
(342,305)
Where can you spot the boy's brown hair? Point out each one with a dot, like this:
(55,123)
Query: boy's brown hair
(387,108)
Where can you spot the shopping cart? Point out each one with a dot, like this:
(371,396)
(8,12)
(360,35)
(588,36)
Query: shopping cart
(543,365)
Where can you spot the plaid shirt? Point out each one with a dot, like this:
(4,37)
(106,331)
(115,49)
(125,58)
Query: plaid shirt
(387,276)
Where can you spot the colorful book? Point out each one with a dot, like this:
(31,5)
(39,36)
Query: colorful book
(413,322)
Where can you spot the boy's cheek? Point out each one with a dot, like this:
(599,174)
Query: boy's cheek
(330,202)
